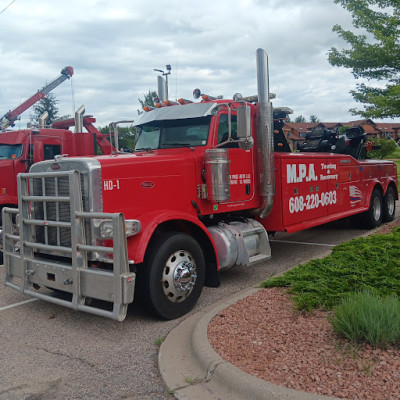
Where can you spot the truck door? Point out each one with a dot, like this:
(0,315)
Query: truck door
(241,167)
(44,150)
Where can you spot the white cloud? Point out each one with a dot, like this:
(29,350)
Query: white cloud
(115,46)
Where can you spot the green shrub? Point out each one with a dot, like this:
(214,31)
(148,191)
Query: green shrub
(394,155)
(370,263)
(366,317)
(386,147)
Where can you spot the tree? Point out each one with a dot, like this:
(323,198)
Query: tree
(49,104)
(126,136)
(300,118)
(374,55)
(148,99)
(314,118)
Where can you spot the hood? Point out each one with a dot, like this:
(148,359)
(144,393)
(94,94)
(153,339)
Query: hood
(157,180)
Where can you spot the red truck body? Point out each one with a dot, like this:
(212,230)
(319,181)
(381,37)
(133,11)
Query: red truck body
(314,188)
(199,194)
(311,189)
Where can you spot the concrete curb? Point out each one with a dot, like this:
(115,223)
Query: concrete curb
(192,370)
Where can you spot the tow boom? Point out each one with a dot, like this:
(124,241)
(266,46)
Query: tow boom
(9,118)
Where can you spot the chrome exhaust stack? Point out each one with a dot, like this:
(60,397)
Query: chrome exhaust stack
(162,89)
(42,119)
(265,148)
(79,119)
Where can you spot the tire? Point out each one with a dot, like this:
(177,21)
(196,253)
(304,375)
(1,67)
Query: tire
(389,205)
(356,221)
(172,276)
(373,217)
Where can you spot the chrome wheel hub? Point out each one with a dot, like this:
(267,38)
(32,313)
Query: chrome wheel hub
(390,204)
(376,208)
(179,276)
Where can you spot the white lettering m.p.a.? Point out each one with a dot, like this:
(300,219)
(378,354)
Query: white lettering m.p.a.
(296,173)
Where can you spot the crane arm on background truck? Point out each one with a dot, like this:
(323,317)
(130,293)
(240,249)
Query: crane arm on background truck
(9,118)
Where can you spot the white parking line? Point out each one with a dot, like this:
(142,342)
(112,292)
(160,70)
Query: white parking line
(308,243)
(17,304)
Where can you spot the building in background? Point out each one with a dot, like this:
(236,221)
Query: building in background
(295,132)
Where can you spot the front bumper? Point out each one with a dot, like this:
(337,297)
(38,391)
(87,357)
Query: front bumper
(87,288)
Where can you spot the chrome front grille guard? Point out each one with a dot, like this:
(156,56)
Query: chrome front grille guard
(23,262)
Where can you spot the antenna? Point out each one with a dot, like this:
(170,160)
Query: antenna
(176,75)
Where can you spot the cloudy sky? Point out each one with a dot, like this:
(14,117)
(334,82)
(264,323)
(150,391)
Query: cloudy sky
(115,45)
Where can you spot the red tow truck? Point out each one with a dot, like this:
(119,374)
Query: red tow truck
(19,149)
(206,183)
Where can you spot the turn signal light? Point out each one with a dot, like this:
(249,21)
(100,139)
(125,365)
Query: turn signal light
(184,101)
(106,228)
(170,103)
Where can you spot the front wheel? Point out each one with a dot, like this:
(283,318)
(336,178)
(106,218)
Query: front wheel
(173,275)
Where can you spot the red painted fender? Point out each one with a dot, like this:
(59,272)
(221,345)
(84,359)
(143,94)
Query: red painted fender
(138,244)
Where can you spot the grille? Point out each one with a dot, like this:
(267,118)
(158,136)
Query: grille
(52,210)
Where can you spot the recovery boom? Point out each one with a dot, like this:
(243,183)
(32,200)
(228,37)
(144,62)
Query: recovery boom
(9,118)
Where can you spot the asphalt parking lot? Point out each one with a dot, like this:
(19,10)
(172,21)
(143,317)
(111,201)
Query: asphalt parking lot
(50,352)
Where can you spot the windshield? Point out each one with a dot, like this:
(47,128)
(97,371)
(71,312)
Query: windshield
(10,151)
(190,132)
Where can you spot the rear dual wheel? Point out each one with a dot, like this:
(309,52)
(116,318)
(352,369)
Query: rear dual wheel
(373,217)
(381,209)
(389,205)
(172,277)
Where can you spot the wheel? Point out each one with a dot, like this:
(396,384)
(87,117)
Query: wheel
(172,276)
(389,205)
(373,217)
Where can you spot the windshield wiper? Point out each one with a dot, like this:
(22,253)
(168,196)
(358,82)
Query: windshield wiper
(144,149)
(176,144)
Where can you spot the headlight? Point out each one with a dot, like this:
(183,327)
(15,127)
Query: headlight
(106,228)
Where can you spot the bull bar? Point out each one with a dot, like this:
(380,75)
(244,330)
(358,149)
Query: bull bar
(73,276)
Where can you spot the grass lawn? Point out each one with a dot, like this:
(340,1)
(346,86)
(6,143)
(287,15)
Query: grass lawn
(371,263)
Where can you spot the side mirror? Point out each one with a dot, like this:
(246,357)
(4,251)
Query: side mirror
(244,127)
(243,122)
